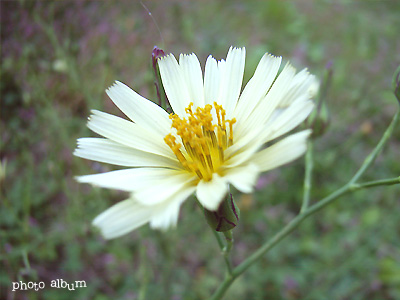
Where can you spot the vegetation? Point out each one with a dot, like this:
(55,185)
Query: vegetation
(58,57)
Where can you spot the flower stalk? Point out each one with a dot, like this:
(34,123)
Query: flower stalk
(227,249)
(224,253)
(224,220)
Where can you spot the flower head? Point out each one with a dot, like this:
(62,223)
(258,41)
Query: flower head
(215,136)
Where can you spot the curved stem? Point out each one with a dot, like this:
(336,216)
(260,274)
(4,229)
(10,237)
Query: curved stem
(351,186)
(229,240)
(292,225)
(220,292)
(372,156)
(225,250)
(218,238)
(368,184)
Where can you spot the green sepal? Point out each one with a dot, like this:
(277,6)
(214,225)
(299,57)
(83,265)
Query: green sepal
(226,217)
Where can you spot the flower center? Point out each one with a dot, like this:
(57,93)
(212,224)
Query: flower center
(203,142)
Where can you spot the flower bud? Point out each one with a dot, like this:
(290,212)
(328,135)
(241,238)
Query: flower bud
(155,55)
(319,119)
(225,217)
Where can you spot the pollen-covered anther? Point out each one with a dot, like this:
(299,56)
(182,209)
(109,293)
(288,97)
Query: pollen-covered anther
(231,122)
(204,139)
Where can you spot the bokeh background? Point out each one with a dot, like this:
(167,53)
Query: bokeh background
(58,57)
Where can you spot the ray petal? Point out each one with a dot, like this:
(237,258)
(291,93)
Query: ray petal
(211,80)
(193,78)
(243,178)
(143,112)
(174,84)
(122,218)
(283,152)
(211,193)
(166,215)
(258,85)
(128,133)
(131,180)
(231,79)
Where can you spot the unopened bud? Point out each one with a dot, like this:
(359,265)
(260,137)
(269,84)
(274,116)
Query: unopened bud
(156,53)
(319,119)
(225,217)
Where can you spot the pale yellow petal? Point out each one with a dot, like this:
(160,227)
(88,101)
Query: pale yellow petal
(122,218)
(108,151)
(211,193)
(128,133)
(283,152)
(243,178)
(143,112)
(174,84)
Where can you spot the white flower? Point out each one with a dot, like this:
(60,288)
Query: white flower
(214,138)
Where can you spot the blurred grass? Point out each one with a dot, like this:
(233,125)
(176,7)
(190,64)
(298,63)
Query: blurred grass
(58,57)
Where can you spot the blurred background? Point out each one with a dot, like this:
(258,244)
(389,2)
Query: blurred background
(58,57)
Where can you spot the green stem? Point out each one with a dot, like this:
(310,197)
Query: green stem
(292,225)
(229,240)
(307,176)
(351,186)
(220,292)
(225,250)
(348,188)
(144,273)
(368,184)
(218,238)
(372,156)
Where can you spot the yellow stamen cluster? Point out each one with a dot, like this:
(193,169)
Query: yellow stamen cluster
(203,143)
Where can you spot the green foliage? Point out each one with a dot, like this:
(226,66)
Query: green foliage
(58,57)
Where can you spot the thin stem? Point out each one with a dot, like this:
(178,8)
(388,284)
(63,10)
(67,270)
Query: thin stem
(229,240)
(219,240)
(372,156)
(307,176)
(348,188)
(368,184)
(224,250)
(144,273)
(292,225)
(227,250)
(220,292)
